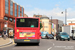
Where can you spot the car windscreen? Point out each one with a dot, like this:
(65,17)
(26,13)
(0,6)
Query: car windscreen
(26,22)
(50,35)
(64,34)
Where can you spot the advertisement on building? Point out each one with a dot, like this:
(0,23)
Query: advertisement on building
(10,32)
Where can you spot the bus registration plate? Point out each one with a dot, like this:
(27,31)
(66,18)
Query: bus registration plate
(26,40)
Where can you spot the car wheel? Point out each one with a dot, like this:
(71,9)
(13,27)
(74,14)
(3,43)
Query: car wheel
(56,38)
(64,39)
(60,39)
(68,39)
(53,38)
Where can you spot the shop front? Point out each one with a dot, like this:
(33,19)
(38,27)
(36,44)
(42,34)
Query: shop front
(9,31)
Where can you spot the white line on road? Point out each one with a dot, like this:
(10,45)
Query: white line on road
(53,44)
(50,48)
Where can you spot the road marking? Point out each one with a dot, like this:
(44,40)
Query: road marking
(53,44)
(50,48)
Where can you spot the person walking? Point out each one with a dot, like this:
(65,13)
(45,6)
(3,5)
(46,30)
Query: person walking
(4,34)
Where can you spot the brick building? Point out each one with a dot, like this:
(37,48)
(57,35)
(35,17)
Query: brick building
(8,11)
(58,24)
(25,15)
(37,16)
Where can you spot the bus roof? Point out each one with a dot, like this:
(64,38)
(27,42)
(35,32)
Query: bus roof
(28,17)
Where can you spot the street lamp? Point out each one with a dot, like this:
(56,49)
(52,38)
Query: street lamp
(51,24)
(65,16)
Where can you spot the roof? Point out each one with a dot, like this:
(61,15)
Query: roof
(44,18)
(28,17)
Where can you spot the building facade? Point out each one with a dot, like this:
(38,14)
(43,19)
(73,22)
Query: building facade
(70,21)
(25,15)
(9,10)
(37,16)
(45,23)
(58,24)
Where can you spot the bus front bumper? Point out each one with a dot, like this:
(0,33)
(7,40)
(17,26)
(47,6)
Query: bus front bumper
(26,40)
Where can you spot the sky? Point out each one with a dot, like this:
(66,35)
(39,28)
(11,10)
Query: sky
(49,8)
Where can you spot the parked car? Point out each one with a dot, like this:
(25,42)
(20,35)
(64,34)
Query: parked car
(43,34)
(62,36)
(50,36)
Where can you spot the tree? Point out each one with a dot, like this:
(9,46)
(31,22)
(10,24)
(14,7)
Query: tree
(41,25)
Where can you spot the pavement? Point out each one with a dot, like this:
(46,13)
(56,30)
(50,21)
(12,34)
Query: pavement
(4,42)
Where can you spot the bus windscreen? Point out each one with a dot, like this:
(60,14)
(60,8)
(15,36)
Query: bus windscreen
(26,22)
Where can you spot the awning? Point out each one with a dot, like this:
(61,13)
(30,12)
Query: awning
(8,28)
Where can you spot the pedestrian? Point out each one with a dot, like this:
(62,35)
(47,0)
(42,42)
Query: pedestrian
(4,34)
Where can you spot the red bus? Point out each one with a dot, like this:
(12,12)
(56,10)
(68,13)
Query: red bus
(27,30)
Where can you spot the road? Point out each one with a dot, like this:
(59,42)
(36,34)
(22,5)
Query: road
(45,44)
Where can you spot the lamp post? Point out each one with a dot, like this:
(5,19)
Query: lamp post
(65,16)
(51,24)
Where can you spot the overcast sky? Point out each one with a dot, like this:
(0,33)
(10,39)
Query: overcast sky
(49,8)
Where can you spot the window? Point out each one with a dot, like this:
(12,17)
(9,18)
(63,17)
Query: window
(0,26)
(45,26)
(10,19)
(16,10)
(19,11)
(22,11)
(27,22)
(5,18)
(6,6)
(14,20)
(11,7)
(37,16)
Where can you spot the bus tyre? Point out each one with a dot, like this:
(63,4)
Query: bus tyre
(17,44)
(37,44)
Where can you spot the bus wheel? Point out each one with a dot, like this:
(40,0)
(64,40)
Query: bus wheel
(18,44)
(37,44)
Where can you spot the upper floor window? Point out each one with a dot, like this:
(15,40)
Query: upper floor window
(16,10)
(5,18)
(6,6)
(11,7)
(10,19)
(37,16)
(22,11)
